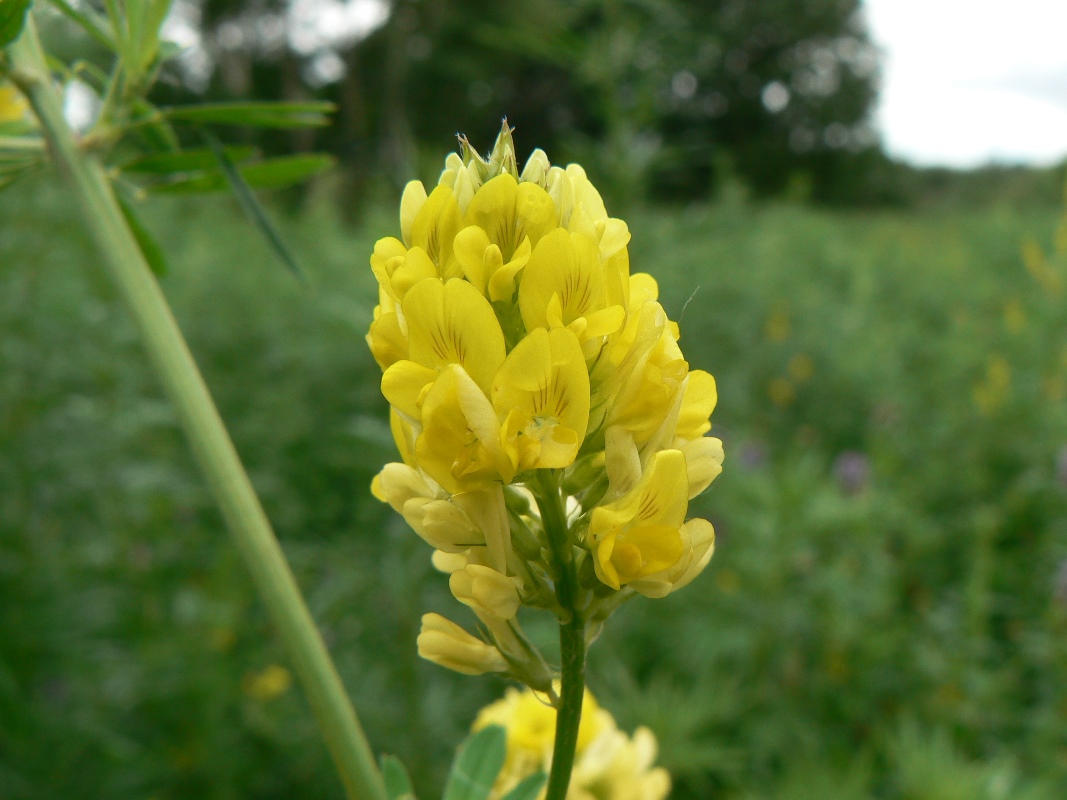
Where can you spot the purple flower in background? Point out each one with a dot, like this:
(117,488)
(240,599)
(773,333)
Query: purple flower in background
(852,469)
(753,455)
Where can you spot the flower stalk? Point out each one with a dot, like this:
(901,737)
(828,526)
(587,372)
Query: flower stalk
(201,422)
(572,644)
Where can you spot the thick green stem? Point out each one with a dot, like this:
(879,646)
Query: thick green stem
(211,443)
(571,636)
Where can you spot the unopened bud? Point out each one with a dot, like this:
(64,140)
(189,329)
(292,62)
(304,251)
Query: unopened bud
(486,591)
(446,643)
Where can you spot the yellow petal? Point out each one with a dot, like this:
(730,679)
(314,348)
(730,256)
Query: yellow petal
(470,248)
(386,341)
(568,266)
(459,444)
(404,384)
(453,323)
(545,379)
(435,227)
(411,202)
(536,214)
(700,400)
(493,210)
(703,462)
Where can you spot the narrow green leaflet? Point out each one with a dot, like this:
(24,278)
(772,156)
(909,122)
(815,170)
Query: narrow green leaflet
(200,160)
(477,765)
(153,253)
(528,788)
(12,18)
(397,782)
(252,207)
(88,20)
(262,115)
(271,173)
(153,128)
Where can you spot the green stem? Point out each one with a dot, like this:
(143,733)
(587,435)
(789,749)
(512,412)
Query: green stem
(571,636)
(210,442)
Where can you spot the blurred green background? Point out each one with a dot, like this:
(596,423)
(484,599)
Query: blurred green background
(886,614)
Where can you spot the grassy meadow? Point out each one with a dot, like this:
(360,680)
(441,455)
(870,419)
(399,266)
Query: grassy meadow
(885,616)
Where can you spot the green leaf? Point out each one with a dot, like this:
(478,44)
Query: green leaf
(153,253)
(200,160)
(262,115)
(477,765)
(397,782)
(251,206)
(271,173)
(528,788)
(88,20)
(12,18)
(153,128)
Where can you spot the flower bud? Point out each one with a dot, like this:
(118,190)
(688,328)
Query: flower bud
(444,642)
(486,591)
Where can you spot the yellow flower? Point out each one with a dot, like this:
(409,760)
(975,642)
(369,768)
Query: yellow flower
(565,285)
(542,394)
(609,765)
(459,446)
(519,355)
(640,533)
(272,682)
(447,323)
(13,107)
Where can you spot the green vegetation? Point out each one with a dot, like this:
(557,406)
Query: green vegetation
(881,618)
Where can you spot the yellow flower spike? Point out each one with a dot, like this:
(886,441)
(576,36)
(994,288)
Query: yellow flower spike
(435,227)
(459,446)
(411,202)
(563,285)
(446,643)
(452,323)
(639,534)
(486,591)
(701,397)
(703,462)
(542,394)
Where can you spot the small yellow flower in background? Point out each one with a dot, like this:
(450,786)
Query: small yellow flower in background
(1047,275)
(609,765)
(801,367)
(1014,316)
(13,107)
(990,393)
(272,682)
(526,368)
(778,327)
(781,392)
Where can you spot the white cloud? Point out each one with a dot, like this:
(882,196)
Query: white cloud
(971,82)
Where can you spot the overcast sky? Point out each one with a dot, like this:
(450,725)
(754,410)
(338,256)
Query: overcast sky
(966,82)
